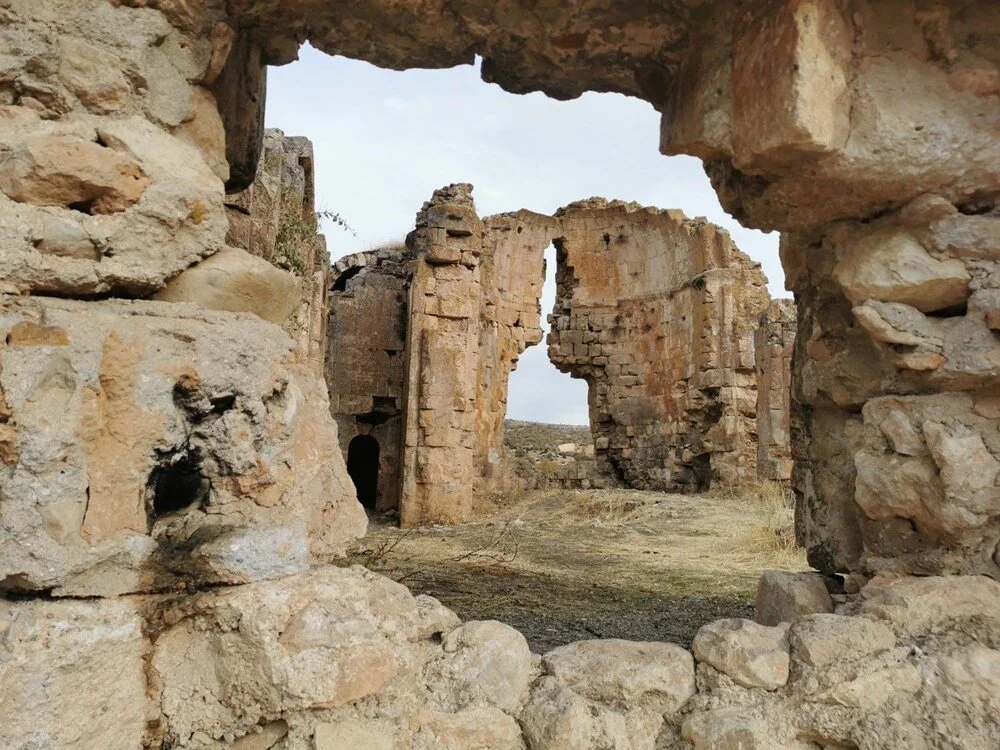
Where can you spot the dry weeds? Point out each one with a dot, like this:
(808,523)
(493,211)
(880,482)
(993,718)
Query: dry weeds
(566,564)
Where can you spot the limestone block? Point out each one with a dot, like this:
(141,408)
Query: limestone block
(203,128)
(790,81)
(891,266)
(483,662)
(785,597)
(144,429)
(625,674)
(72,674)
(146,201)
(316,640)
(913,605)
(556,717)
(753,655)
(474,727)
(51,170)
(821,640)
(350,735)
(232,280)
(94,75)
(727,729)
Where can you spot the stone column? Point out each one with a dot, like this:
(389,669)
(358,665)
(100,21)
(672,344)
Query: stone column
(869,137)
(442,360)
(774,342)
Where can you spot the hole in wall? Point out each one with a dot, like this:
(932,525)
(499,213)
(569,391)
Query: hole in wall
(340,285)
(177,484)
(362,467)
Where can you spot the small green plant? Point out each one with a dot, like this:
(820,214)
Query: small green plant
(296,229)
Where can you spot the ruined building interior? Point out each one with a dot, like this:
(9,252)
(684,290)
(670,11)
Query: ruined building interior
(174,497)
(658,313)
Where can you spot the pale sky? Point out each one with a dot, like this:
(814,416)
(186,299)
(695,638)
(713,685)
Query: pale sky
(385,140)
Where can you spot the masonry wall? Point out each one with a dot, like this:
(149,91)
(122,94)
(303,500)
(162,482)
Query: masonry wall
(365,356)
(656,312)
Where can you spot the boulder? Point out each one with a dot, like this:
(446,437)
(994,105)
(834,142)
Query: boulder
(821,640)
(483,662)
(235,281)
(784,597)
(753,655)
(321,639)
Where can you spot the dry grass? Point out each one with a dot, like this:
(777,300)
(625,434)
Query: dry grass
(570,564)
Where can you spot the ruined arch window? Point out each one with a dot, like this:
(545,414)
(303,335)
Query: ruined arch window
(362,466)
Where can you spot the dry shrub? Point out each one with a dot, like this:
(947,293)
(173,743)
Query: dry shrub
(768,522)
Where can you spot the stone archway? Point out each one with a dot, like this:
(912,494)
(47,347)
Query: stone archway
(867,132)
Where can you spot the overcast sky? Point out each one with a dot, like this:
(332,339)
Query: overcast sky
(385,140)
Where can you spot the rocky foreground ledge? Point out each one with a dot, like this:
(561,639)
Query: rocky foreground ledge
(344,658)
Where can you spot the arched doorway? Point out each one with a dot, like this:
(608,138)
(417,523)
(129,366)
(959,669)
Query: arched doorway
(362,466)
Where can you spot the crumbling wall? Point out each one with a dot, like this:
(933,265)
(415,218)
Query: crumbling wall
(774,341)
(366,348)
(275,219)
(865,131)
(656,312)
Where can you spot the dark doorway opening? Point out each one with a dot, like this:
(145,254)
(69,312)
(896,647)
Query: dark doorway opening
(362,465)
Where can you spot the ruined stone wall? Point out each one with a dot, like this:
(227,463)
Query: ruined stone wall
(366,348)
(882,172)
(657,312)
(275,219)
(866,131)
(774,341)
(512,274)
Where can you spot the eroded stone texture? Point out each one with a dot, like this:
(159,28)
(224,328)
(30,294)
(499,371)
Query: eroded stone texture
(774,342)
(657,313)
(882,171)
(112,148)
(275,219)
(151,442)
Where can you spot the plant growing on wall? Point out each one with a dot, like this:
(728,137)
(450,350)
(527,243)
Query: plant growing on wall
(296,229)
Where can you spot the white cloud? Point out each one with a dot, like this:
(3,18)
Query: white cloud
(385,140)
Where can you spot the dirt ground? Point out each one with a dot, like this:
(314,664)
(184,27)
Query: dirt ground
(567,565)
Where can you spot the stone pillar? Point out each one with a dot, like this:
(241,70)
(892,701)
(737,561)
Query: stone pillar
(774,341)
(870,139)
(442,360)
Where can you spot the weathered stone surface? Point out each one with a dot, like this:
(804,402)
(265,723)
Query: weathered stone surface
(893,267)
(657,313)
(912,605)
(820,640)
(72,674)
(753,655)
(232,280)
(625,674)
(145,429)
(483,662)
(785,597)
(320,640)
(774,341)
(92,90)
(274,219)
(72,173)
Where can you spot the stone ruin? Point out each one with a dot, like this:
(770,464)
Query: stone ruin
(172,493)
(655,311)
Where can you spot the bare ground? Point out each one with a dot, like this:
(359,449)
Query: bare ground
(564,565)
